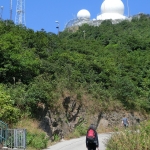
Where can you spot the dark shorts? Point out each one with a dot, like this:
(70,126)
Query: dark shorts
(125,125)
(91,147)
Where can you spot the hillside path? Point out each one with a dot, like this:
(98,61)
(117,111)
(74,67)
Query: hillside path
(79,143)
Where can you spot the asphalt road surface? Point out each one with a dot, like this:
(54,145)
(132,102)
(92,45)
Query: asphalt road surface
(79,143)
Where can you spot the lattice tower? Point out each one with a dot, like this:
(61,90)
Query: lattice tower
(20,13)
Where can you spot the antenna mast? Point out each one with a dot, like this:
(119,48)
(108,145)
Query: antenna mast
(10,9)
(1,13)
(20,13)
(128,8)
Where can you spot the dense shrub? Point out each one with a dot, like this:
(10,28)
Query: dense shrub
(37,140)
(8,113)
(111,64)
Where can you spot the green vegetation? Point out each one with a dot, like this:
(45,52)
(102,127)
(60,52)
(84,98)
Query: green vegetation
(56,138)
(138,139)
(36,138)
(8,112)
(38,141)
(79,131)
(112,65)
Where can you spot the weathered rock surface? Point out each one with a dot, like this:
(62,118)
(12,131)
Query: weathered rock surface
(72,113)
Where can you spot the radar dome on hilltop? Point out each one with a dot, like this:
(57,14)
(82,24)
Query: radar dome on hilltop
(83,14)
(112,6)
(112,9)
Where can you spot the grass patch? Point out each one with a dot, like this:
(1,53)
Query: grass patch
(137,139)
(36,138)
(79,131)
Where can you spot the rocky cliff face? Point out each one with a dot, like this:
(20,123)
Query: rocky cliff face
(113,119)
(64,120)
(72,113)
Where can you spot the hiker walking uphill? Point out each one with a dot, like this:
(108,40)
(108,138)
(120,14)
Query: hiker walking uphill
(125,121)
(91,138)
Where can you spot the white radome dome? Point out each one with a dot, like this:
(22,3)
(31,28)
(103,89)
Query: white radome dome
(83,14)
(112,9)
(112,6)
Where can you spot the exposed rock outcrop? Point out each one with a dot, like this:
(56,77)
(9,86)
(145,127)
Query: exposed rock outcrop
(113,119)
(63,121)
(73,112)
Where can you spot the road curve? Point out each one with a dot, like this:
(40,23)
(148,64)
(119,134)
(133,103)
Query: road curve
(79,143)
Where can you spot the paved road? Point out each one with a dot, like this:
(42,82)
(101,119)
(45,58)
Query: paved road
(79,143)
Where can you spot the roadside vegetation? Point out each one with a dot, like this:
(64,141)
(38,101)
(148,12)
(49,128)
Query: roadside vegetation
(131,139)
(36,138)
(112,65)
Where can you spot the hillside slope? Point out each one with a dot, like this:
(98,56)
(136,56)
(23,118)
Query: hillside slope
(42,74)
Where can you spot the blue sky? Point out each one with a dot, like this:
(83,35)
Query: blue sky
(43,13)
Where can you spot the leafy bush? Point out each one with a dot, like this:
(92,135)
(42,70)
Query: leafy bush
(18,93)
(8,113)
(56,137)
(81,130)
(37,140)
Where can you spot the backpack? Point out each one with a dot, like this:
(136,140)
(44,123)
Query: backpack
(90,136)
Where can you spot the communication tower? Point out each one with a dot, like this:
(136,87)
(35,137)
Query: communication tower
(1,12)
(20,13)
(10,9)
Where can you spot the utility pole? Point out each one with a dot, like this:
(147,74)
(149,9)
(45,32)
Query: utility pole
(20,13)
(84,34)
